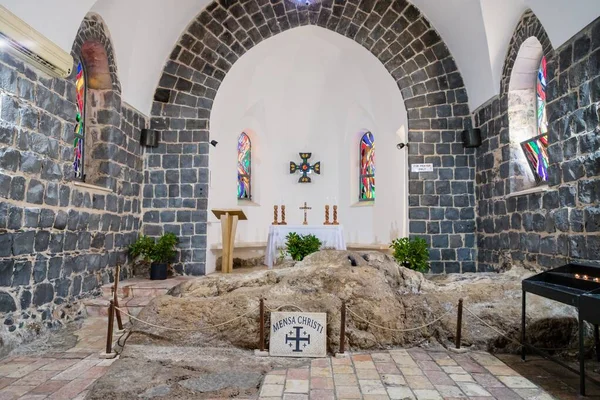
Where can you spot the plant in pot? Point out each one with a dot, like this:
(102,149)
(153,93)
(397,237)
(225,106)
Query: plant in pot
(411,253)
(157,253)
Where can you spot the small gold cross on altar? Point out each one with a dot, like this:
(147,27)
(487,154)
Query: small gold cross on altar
(305,208)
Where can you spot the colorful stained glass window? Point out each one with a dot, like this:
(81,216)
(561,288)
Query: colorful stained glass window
(536,151)
(542,119)
(79,137)
(367,168)
(244,149)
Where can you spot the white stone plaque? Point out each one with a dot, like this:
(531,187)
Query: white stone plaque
(422,167)
(298,334)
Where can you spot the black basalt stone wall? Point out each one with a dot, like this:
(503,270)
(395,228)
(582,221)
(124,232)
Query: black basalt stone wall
(59,241)
(545,229)
(176,177)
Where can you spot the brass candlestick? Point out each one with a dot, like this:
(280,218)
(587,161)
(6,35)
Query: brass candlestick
(335,221)
(283,216)
(327,216)
(275,215)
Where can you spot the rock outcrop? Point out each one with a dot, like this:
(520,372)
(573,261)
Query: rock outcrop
(382,298)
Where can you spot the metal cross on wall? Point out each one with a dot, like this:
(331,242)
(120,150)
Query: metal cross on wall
(305,168)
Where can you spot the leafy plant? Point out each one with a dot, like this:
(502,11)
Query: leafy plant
(299,246)
(411,253)
(151,250)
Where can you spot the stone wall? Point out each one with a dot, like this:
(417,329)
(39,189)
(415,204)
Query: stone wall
(441,204)
(548,228)
(59,240)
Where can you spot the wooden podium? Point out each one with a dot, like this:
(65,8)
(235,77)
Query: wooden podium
(229,219)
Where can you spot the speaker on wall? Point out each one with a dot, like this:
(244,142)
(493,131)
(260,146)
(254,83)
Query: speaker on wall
(149,138)
(471,137)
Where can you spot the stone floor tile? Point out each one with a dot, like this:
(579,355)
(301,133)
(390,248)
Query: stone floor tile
(428,365)
(517,382)
(321,383)
(71,389)
(367,374)
(4,382)
(347,392)
(271,391)
(418,354)
(454,370)
(503,393)
(404,361)
(382,357)
(387,368)
(361,357)
(16,391)
(485,359)
(59,365)
(446,362)
(400,393)
(275,372)
(471,367)
(47,388)
(450,391)
(427,395)
(461,377)
(295,396)
(321,394)
(107,362)
(320,362)
(35,378)
(473,389)
(345,379)
(418,382)
(534,394)
(393,380)
(341,361)
(296,386)
(82,395)
(265,398)
(502,370)
(271,379)
(33,397)
(11,367)
(411,371)
(364,365)
(376,397)
(320,371)
(298,373)
(21,372)
(76,370)
(487,380)
(343,369)
(439,378)
(371,386)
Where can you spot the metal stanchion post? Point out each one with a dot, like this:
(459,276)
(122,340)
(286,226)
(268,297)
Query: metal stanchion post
(261,345)
(109,333)
(459,323)
(343,329)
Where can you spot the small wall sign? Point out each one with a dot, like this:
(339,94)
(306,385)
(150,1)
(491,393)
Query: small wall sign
(422,167)
(298,334)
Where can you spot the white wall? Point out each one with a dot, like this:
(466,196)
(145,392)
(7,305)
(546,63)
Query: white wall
(309,90)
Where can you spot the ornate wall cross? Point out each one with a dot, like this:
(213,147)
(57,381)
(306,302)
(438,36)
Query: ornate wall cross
(305,208)
(305,168)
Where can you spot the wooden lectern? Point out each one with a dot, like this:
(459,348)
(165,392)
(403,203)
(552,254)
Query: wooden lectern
(229,219)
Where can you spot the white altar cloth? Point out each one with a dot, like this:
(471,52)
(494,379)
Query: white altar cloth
(331,237)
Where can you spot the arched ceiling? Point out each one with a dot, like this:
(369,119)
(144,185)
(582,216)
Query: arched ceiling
(143,33)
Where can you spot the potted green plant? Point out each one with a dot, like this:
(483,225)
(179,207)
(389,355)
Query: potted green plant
(299,246)
(411,253)
(157,253)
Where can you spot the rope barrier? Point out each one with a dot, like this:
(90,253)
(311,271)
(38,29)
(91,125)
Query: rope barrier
(190,329)
(401,330)
(284,305)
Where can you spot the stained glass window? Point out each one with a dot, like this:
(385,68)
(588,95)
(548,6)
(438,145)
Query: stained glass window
(536,151)
(367,168)
(244,149)
(79,137)
(542,119)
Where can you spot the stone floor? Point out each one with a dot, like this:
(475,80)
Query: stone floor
(61,375)
(402,374)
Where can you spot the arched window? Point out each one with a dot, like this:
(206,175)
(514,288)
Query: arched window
(244,163)
(79,137)
(367,168)
(536,148)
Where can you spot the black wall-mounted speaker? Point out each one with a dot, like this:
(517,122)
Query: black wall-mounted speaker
(471,137)
(149,138)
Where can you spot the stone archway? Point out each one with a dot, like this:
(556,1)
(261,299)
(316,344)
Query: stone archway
(441,203)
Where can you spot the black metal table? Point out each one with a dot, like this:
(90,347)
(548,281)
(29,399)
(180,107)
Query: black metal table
(574,284)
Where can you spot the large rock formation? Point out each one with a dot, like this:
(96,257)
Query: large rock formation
(375,288)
